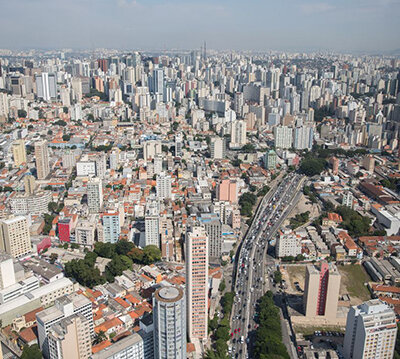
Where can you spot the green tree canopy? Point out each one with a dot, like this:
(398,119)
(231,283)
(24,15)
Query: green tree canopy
(31,352)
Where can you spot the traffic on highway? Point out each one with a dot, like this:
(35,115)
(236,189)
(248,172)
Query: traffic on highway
(254,267)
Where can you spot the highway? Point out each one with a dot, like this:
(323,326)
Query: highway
(254,266)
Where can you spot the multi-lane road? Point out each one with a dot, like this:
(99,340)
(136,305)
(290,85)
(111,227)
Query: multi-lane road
(254,266)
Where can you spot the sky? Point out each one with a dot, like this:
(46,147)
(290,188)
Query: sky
(371,26)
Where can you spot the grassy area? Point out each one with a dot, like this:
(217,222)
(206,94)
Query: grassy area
(309,330)
(353,279)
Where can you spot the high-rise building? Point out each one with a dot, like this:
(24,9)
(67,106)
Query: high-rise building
(70,338)
(218,148)
(369,163)
(303,138)
(4,107)
(19,152)
(334,161)
(238,102)
(157,81)
(283,137)
(85,233)
(169,319)
(111,227)
(227,190)
(129,347)
(163,186)
(288,244)
(213,226)
(270,160)
(14,236)
(95,195)
(178,144)
(151,149)
(371,331)
(42,159)
(46,86)
(29,184)
(238,134)
(7,272)
(321,290)
(64,307)
(158,164)
(197,282)
(152,222)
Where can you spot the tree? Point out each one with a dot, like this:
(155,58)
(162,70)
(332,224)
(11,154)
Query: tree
(151,254)
(65,109)
(137,255)
(31,352)
(123,247)
(22,113)
(60,123)
(66,137)
(84,272)
(52,207)
(105,250)
(312,166)
(90,258)
(53,257)
(227,302)
(268,341)
(277,276)
(99,337)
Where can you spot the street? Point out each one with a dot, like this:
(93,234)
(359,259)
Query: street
(255,266)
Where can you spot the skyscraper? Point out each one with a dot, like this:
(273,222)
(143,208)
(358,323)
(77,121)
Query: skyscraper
(178,144)
(42,159)
(321,290)
(64,307)
(169,319)
(46,86)
(303,138)
(270,159)
(95,195)
(14,236)
(283,137)
(29,184)
(197,282)
(218,148)
(370,331)
(152,222)
(111,227)
(19,152)
(70,338)
(213,226)
(157,83)
(163,186)
(238,134)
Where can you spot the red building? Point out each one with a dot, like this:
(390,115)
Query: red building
(64,229)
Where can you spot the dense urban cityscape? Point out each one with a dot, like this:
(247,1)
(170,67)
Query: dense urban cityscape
(199,204)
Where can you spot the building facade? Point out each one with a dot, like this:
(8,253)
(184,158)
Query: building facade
(371,331)
(197,282)
(321,290)
(169,319)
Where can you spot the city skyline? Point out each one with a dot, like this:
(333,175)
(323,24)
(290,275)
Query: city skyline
(343,26)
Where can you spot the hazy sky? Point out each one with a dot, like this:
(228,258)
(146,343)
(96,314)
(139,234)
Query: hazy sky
(343,25)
